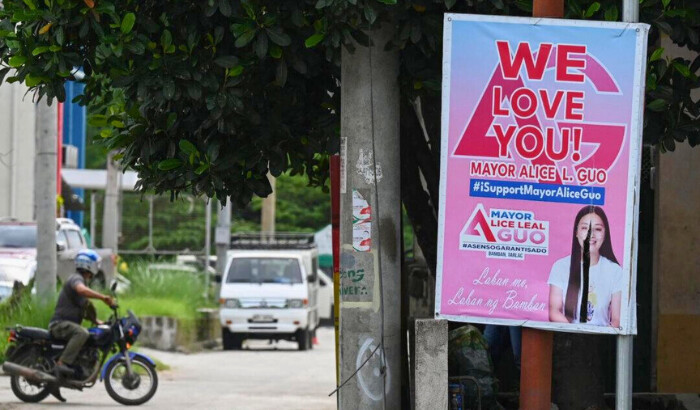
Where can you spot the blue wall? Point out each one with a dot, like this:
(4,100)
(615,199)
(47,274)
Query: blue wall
(74,130)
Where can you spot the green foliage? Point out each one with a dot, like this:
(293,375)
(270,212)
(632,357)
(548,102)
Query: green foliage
(299,208)
(176,294)
(207,97)
(25,309)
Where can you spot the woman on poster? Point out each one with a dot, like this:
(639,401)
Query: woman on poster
(605,275)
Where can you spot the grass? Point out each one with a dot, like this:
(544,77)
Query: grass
(174,293)
(25,309)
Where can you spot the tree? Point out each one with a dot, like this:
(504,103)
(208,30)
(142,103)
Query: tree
(215,93)
(205,97)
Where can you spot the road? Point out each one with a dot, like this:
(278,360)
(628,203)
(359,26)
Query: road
(261,377)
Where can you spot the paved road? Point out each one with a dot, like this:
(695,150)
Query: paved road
(261,377)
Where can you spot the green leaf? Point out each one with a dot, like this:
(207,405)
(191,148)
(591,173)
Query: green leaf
(281,74)
(169,89)
(226,61)
(128,23)
(54,48)
(666,3)
(40,50)
(612,13)
(166,39)
(657,105)
(314,40)
(188,148)
(261,45)
(225,8)
(235,71)
(172,117)
(275,51)
(656,54)
(3,73)
(17,61)
(592,9)
(59,36)
(683,69)
(201,168)
(278,37)
(169,164)
(194,91)
(245,38)
(32,81)
(30,4)
(370,14)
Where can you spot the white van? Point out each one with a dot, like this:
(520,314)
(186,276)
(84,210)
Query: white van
(269,289)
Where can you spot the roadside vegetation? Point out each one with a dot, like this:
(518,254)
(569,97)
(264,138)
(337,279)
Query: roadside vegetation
(176,294)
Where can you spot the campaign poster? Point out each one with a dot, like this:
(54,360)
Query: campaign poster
(541,139)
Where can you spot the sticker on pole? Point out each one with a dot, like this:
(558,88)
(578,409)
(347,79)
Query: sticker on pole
(541,139)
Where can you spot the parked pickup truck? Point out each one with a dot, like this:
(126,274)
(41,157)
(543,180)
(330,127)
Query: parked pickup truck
(18,241)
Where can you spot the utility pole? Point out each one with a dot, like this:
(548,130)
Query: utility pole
(370,228)
(45,199)
(538,345)
(207,246)
(268,211)
(110,219)
(222,237)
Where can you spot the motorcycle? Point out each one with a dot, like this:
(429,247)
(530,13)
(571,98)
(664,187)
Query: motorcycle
(130,378)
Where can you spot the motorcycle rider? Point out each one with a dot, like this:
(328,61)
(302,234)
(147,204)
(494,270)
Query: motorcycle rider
(72,301)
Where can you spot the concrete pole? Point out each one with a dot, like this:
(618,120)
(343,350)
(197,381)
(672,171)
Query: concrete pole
(110,220)
(370,305)
(625,345)
(45,200)
(222,237)
(207,245)
(268,211)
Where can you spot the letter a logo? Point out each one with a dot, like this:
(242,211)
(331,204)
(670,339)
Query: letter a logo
(478,225)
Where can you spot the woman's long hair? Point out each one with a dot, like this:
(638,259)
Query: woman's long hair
(576,257)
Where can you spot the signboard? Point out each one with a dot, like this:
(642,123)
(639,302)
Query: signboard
(541,138)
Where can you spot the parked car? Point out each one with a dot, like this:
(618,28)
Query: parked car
(270,290)
(18,241)
(17,269)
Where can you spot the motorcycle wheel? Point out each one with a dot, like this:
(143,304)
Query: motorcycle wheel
(22,388)
(135,391)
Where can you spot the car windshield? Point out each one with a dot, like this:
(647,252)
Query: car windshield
(18,236)
(264,270)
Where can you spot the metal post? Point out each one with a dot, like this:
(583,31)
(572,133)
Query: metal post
(45,197)
(625,351)
(370,259)
(222,237)
(93,214)
(207,245)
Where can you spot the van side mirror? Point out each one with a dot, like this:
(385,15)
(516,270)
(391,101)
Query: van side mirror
(60,246)
(312,278)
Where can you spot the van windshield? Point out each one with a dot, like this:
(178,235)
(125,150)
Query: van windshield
(264,270)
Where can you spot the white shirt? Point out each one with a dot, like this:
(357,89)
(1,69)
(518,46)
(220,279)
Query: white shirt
(605,278)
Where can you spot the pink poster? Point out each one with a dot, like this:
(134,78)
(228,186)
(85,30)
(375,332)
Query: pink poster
(541,137)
